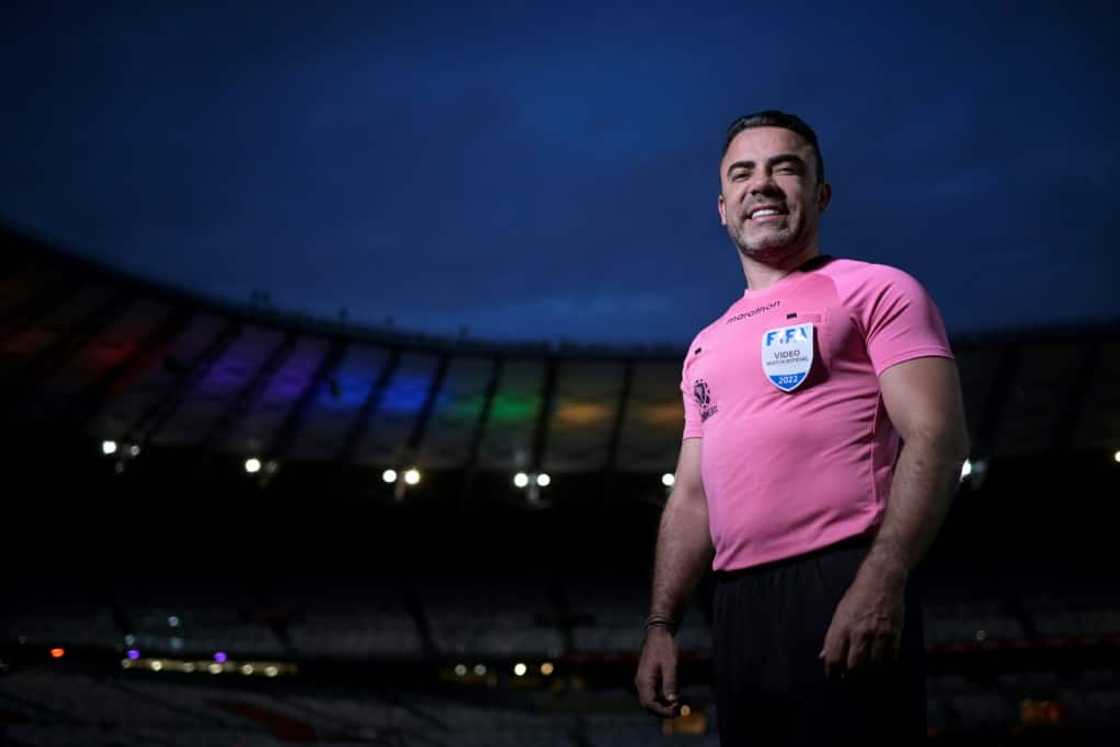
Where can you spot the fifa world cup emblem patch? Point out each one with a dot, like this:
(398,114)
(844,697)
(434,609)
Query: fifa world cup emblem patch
(703,396)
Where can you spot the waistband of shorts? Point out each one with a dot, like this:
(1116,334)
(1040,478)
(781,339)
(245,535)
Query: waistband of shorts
(858,542)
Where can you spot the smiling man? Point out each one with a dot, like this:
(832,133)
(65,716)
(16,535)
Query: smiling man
(823,439)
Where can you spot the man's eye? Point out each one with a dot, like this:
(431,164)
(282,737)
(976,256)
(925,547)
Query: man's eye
(739,176)
(787,170)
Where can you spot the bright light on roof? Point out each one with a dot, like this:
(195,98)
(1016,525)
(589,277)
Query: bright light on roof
(543,480)
(966,468)
(108,447)
(389,475)
(412,476)
(252,464)
(521,479)
(668,479)
(520,669)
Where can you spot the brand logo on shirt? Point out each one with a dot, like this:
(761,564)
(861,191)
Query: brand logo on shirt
(703,396)
(754,312)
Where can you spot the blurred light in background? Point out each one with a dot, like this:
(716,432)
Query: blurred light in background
(389,475)
(461,670)
(521,479)
(547,668)
(58,653)
(480,669)
(966,468)
(519,669)
(108,447)
(252,464)
(133,654)
(668,479)
(412,476)
(543,480)
(220,657)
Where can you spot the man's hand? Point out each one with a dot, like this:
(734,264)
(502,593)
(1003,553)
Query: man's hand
(866,630)
(656,679)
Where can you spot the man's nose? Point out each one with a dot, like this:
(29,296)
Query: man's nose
(762,183)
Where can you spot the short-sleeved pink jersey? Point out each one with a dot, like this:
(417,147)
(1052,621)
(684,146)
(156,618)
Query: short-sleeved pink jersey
(789,472)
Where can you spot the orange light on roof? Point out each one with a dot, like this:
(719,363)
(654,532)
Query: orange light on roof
(58,653)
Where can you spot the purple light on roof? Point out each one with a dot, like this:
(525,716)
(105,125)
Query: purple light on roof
(220,657)
(133,654)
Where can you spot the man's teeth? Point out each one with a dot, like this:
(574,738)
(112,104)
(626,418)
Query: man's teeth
(763,213)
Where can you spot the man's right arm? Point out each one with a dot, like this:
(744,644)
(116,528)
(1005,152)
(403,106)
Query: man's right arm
(684,551)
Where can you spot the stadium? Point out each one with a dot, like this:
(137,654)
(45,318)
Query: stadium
(228,524)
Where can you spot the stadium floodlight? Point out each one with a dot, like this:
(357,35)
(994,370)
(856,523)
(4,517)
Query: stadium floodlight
(389,475)
(461,670)
(1116,457)
(108,447)
(519,669)
(521,479)
(252,465)
(544,480)
(668,479)
(966,468)
(480,669)
(412,476)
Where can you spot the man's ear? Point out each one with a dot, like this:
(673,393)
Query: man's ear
(824,195)
(722,211)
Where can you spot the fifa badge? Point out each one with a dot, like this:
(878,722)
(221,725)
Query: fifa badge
(787,355)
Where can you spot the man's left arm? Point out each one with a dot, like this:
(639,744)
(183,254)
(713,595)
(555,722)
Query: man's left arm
(923,401)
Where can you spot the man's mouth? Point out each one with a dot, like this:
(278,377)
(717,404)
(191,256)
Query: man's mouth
(766,213)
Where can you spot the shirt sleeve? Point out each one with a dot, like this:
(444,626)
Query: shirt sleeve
(902,322)
(693,425)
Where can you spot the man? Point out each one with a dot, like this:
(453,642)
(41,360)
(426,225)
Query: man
(823,439)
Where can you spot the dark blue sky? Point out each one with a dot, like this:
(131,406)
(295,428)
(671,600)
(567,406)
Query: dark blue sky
(550,172)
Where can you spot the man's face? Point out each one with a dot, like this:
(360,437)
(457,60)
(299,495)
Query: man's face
(770,200)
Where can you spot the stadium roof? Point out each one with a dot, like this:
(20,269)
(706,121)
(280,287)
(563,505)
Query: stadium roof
(91,349)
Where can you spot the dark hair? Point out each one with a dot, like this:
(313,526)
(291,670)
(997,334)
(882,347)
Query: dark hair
(775,118)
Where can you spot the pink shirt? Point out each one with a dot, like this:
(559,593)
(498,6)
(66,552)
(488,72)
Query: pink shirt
(786,472)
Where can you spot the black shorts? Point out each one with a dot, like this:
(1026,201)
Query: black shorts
(769,625)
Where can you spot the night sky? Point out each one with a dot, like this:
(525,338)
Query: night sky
(550,172)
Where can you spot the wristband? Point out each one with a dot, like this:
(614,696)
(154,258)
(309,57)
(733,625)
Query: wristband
(661,621)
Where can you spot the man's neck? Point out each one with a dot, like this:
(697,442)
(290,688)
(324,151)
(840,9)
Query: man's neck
(761,275)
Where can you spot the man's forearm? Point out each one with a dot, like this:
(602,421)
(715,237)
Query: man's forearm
(684,551)
(925,480)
